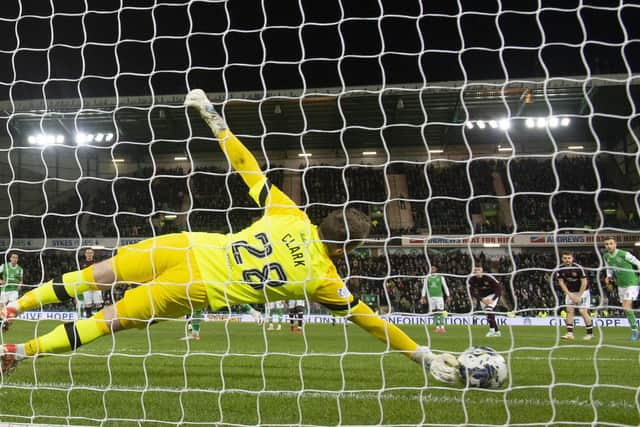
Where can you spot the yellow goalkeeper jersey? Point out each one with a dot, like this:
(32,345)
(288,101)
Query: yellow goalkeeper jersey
(278,257)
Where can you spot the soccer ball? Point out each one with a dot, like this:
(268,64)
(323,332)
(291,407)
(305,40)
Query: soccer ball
(483,367)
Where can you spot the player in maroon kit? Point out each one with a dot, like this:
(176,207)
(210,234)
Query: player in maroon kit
(485,289)
(90,299)
(573,282)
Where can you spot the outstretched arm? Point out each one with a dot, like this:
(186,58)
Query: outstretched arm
(239,156)
(386,332)
(443,367)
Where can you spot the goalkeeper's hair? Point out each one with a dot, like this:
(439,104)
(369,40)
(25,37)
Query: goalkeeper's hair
(349,225)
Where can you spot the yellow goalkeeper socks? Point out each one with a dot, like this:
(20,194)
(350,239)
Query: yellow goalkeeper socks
(73,284)
(68,336)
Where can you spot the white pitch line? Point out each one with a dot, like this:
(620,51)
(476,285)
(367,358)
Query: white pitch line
(392,395)
(179,353)
(588,359)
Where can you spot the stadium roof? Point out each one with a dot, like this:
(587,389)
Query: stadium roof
(600,109)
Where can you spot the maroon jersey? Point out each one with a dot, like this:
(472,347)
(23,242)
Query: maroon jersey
(484,286)
(572,276)
(84,263)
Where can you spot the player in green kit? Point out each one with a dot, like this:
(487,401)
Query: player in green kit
(435,286)
(275,314)
(626,279)
(196,318)
(256,314)
(11,281)
(193,326)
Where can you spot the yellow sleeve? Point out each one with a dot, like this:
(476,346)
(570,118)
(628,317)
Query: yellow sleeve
(260,189)
(273,199)
(334,294)
(240,158)
(386,332)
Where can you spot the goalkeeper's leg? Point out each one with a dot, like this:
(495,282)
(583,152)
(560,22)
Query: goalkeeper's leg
(138,263)
(99,276)
(165,259)
(139,307)
(63,338)
(68,336)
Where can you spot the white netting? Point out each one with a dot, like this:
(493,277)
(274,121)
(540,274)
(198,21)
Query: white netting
(472,134)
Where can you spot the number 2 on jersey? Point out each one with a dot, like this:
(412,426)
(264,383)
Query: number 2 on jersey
(254,277)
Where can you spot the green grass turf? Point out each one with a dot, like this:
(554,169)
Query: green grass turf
(240,374)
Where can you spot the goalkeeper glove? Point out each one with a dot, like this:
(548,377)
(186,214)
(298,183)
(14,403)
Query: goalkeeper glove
(444,367)
(198,99)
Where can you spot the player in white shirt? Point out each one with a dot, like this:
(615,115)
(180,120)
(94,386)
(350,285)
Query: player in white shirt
(275,315)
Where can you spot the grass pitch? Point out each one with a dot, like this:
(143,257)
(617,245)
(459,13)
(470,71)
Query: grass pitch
(241,374)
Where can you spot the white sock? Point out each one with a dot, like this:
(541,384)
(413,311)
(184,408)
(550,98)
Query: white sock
(20,353)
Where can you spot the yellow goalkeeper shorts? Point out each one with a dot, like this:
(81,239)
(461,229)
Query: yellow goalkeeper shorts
(170,281)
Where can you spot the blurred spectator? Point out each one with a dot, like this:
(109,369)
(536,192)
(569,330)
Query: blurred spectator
(443,196)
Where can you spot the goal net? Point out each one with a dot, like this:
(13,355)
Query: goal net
(499,135)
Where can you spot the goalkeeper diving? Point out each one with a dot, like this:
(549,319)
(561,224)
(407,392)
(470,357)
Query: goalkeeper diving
(281,256)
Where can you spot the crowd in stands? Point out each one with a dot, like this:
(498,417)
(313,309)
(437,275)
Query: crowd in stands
(527,278)
(444,196)
(544,194)
(396,280)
